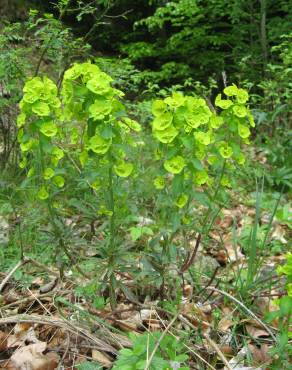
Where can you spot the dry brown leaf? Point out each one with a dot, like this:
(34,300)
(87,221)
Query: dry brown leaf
(3,341)
(58,339)
(260,354)
(23,333)
(256,332)
(20,329)
(279,234)
(11,296)
(101,358)
(127,325)
(188,291)
(31,358)
(227,350)
(196,315)
(154,324)
(262,304)
(225,323)
(226,221)
(38,281)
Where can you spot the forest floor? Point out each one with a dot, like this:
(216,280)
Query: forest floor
(46,323)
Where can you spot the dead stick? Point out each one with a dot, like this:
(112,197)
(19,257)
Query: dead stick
(43,267)
(209,340)
(217,349)
(32,298)
(63,324)
(12,271)
(147,366)
(254,316)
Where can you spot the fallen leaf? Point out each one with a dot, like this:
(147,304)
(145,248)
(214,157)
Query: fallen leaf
(49,286)
(227,350)
(3,341)
(31,358)
(101,358)
(279,234)
(260,354)
(225,323)
(256,332)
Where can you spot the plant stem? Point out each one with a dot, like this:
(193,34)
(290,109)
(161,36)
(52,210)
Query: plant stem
(213,198)
(252,264)
(112,208)
(111,259)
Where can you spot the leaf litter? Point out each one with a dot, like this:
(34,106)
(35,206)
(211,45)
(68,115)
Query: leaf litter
(39,332)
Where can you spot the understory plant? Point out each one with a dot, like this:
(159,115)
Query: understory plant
(145,354)
(197,147)
(86,126)
(283,350)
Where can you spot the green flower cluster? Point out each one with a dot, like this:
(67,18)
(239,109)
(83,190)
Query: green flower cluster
(88,96)
(40,110)
(193,137)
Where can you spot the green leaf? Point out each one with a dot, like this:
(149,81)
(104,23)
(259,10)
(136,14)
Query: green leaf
(21,120)
(166,136)
(99,145)
(182,200)
(49,128)
(242,96)
(197,164)
(223,104)
(162,122)
(99,84)
(41,109)
(225,150)
(201,178)
(86,365)
(203,138)
(27,145)
(58,153)
(48,173)
(240,110)
(43,193)
(216,121)
(174,165)
(99,109)
(59,181)
(176,100)
(159,107)
(231,90)
(132,124)
(243,131)
(74,72)
(123,169)
(159,183)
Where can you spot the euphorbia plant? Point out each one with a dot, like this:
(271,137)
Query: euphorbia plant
(91,113)
(37,123)
(105,141)
(195,142)
(38,135)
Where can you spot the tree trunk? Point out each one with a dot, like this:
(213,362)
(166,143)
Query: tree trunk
(263,33)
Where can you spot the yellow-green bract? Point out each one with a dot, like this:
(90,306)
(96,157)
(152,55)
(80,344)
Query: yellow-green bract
(88,98)
(193,136)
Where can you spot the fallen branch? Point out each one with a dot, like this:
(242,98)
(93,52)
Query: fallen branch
(209,340)
(63,324)
(147,366)
(259,321)
(12,271)
(21,263)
